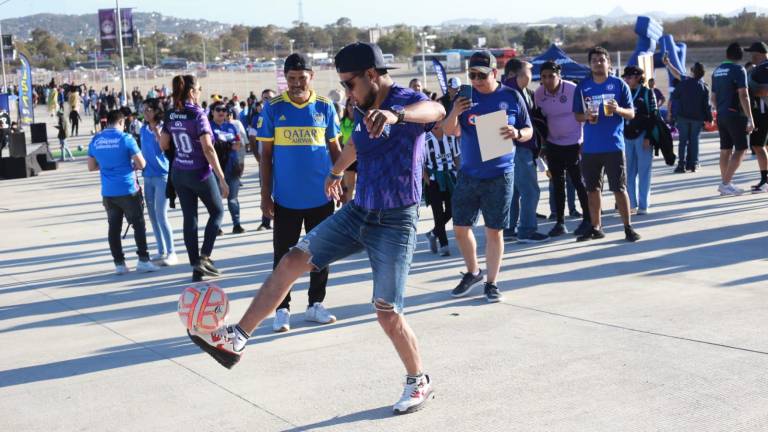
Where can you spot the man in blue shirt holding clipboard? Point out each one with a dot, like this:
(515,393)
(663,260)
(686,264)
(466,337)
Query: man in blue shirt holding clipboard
(484,185)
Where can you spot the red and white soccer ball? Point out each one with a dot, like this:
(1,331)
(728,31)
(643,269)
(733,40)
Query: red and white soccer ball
(203,307)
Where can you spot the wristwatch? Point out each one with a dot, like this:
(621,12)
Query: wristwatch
(399,111)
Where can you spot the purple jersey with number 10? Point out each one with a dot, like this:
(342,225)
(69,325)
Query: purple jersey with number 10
(185,127)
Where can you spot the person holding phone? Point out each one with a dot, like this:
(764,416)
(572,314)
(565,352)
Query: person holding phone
(484,186)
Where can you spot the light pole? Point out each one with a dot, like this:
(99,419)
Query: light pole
(205,64)
(424,37)
(2,60)
(291,41)
(120,44)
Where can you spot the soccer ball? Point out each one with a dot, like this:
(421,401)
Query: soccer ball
(203,307)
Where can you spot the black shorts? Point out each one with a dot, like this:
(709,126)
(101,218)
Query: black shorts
(759,137)
(733,133)
(593,165)
(353,167)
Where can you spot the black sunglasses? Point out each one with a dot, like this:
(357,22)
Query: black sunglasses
(349,84)
(478,76)
(221,110)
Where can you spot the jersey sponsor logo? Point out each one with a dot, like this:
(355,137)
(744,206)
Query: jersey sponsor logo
(178,116)
(300,136)
(178,124)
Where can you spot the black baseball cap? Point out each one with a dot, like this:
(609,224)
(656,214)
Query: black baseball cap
(297,62)
(758,47)
(632,71)
(360,56)
(483,61)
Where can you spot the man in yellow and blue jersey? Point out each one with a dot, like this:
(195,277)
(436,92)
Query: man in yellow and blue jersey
(299,132)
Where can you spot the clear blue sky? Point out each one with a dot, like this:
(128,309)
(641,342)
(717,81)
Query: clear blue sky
(321,12)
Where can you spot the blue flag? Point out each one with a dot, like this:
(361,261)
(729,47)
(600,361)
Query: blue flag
(442,79)
(26,106)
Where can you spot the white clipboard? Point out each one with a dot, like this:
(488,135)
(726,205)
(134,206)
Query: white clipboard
(492,144)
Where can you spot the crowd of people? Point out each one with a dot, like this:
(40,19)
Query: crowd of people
(352,176)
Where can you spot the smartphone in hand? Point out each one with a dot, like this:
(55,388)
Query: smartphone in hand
(465,91)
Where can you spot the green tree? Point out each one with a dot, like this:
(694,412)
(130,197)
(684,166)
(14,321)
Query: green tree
(533,39)
(400,42)
(599,23)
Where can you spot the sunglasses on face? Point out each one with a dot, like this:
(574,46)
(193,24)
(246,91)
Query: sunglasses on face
(349,84)
(220,110)
(478,76)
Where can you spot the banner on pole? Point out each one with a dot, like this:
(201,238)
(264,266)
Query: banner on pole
(442,79)
(108,29)
(8,50)
(26,106)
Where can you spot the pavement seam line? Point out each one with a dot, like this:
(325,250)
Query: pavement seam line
(160,355)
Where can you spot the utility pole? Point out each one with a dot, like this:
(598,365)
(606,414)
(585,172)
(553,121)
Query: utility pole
(141,46)
(120,44)
(2,60)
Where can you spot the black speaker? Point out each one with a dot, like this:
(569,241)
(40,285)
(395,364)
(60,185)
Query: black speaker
(45,164)
(18,146)
(39,133)
(12,168)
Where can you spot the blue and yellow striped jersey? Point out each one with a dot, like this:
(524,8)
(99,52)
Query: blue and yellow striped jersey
(300,157)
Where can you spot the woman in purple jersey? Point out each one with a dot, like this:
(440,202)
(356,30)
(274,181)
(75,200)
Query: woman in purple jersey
(188,127)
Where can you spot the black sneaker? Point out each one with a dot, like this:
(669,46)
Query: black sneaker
(679,170)
(220,232)
(492,293)
(219,345)
(510,235)
(206,267)
(468,281)
(630,235)
(558,230)
(575,214)
(432,238)
(238,229)
(592,234)
(583,228)
(552,216)
(536,237)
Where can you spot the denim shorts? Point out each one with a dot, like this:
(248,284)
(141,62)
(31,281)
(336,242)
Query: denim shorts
(492,196)
(388,236)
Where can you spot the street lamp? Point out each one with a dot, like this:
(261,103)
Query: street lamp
(424,38)
(291,41)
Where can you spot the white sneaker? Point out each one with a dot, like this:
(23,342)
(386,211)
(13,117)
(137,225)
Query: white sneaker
(169,260)
(735,189)
(723,189)
(319,314)
(121,269)
(282,322)
(146,267)
(416,393)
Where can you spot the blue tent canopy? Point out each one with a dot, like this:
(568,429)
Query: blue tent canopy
(570,69)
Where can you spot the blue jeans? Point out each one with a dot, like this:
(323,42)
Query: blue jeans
(388,236)
(157,208)
(570,193)
(233,203)
(190,188)
(688,150)
(64,150)
(639,164)
(525,198)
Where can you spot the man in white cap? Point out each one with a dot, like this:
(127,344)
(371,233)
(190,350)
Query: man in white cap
(454,84)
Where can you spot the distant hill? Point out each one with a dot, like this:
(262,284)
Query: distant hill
(71,28)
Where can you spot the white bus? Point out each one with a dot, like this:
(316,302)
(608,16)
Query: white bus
(451,61)
(389,58)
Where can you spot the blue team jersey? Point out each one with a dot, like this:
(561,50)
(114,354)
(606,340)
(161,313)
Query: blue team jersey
(727,79)
(113,150)
(226,133)
(389,167)
(608,134)
(300,157)
(157,163)
(502,99)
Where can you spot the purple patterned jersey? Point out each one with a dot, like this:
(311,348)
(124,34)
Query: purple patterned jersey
(389,168)
(185,127)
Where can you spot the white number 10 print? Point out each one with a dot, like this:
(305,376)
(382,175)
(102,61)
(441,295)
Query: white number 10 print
(182,143)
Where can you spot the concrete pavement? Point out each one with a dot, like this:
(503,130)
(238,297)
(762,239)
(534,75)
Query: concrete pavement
(666,334)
